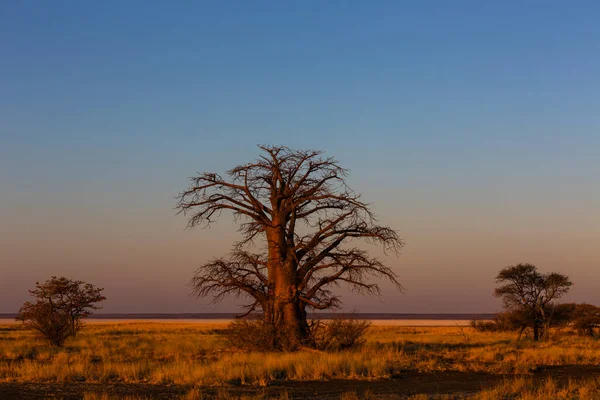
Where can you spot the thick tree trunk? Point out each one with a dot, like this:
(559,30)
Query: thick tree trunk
(536,332)
(288,313)
(290,316)
(295,324)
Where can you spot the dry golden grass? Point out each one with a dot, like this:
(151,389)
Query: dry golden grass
(198,354)
(525,389)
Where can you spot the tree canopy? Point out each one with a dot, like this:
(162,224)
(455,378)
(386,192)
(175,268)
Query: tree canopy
(525,289)
(60,306)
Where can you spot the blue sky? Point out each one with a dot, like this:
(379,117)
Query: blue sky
(472,126)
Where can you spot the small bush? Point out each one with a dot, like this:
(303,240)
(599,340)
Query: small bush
(483,326)
(256,335)
(52,324)
(339,334)
(503,322)
(586,319)
(335,335)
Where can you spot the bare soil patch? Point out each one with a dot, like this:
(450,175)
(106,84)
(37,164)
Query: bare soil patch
(402,386)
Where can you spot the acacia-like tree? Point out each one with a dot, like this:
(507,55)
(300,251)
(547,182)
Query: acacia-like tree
(295,207)
(60,299)
(531,293)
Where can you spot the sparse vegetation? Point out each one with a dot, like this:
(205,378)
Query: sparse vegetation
(335,335)
(199,355)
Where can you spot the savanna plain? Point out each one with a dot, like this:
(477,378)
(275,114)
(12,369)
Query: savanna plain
(194,360)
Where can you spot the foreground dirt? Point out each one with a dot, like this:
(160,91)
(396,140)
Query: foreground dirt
(398,388)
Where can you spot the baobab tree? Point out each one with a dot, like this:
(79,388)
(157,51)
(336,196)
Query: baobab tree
(297,213)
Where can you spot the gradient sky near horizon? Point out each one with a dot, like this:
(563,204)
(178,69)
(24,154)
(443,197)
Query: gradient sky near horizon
(472,126)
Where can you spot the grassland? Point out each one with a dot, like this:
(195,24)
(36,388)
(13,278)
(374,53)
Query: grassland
(194,361)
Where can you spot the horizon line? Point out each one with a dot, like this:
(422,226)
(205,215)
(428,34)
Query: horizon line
(438,316)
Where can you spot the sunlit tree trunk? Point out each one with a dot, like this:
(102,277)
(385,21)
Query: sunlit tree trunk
(288,316)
